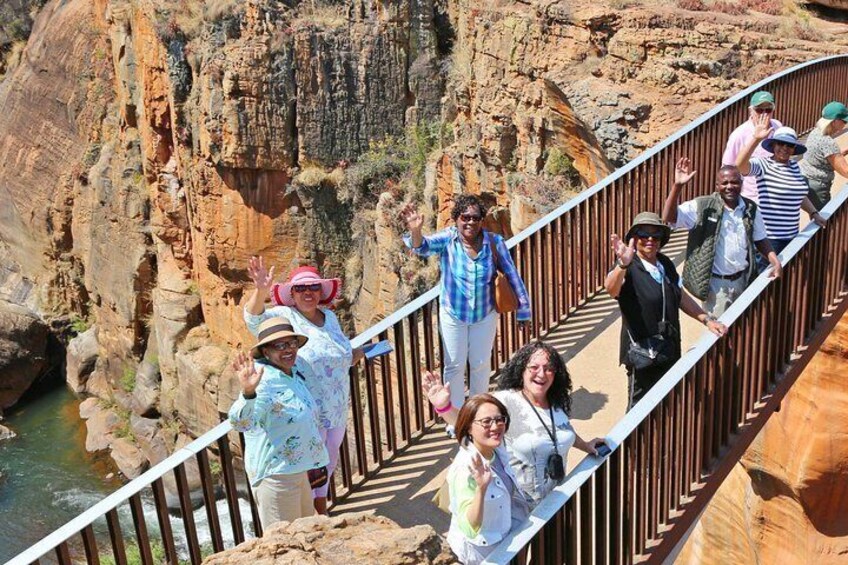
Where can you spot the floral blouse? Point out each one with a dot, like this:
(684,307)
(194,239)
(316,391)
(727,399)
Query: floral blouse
(280,425)
(328,353)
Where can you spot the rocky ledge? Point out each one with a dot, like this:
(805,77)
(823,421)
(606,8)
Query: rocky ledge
(347,539)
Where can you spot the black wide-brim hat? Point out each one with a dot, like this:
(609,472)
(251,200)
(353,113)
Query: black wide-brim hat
(648,219)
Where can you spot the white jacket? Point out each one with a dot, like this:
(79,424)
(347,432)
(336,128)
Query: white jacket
(500,509)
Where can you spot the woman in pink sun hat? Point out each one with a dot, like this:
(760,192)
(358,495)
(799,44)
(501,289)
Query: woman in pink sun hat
(303,299)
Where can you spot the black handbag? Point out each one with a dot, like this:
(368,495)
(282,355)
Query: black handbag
(317,477)
(656,350)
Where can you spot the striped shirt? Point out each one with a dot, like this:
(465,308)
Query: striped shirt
(467,290)
(782,189)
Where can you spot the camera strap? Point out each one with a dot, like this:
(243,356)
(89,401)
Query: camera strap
(553,425)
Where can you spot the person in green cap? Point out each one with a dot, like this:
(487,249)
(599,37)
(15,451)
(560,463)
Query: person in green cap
(762,103)
(824,158)
(650,295)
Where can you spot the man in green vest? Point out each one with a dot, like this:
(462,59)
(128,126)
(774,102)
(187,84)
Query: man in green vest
(724,229)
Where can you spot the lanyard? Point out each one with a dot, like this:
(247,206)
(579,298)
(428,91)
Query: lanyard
(553,425)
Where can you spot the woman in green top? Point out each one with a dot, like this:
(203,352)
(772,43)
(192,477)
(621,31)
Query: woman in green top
(485,500)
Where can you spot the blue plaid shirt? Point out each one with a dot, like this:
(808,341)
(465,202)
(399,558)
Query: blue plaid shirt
(467,292)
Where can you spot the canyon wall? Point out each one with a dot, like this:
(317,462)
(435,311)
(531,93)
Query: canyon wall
(786,499)
(150,147)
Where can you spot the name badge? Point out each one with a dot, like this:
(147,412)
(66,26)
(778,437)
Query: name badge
(711,219)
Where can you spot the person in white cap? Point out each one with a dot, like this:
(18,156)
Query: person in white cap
(304,300)
(782,187)
(279,419)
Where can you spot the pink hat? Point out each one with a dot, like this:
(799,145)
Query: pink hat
(282,293)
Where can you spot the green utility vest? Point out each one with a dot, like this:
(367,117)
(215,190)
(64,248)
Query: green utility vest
(700,249)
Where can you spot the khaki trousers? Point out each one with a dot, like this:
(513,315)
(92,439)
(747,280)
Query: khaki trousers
(283,497)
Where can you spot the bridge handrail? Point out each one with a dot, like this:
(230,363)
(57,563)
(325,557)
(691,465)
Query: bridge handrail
(547,508)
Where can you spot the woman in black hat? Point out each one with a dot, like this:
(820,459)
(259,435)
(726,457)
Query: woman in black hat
(650,295)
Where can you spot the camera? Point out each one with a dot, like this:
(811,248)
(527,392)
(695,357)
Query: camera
(554,469)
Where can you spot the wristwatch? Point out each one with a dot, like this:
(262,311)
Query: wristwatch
(709,318)
(621,265)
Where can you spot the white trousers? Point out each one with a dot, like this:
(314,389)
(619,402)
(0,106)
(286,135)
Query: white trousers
(467,343)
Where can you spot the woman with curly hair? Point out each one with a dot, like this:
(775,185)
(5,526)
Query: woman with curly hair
(470,258)
(535,387)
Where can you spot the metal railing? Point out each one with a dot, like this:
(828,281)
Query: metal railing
(676,446)
(562,258)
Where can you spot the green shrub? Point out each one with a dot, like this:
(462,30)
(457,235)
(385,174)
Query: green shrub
(128,380)
(79,325)
(157,549)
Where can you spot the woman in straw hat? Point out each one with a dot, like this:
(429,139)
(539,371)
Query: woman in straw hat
(824,158)
(279,418)
(650,295)
(304,299)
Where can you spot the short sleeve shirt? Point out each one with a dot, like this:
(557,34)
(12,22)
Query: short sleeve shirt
(815,165)
(529,445)
(782,189)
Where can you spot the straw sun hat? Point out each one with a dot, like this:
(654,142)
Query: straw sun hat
(273,329)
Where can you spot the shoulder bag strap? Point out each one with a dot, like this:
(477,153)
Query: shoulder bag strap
(553,425)
(494,251)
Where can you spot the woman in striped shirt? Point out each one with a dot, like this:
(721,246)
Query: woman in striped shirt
(782,187)
(467,316)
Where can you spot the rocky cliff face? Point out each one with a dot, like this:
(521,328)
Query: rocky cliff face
(785,501)
(150,147)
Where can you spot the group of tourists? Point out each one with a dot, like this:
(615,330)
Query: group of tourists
(513,442)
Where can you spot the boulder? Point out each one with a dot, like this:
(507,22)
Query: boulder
(6,433)
(81,359)
(145,395)
(197,390)
(129,458)
(100,427)
(23,351)
(89,407)
(349,539)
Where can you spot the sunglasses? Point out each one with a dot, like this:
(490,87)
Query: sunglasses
(776,143)
(314,287)
(764,110)
(648,234)
(494,421)
(283,345)
(470,217)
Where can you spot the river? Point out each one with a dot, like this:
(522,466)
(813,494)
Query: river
(48,477)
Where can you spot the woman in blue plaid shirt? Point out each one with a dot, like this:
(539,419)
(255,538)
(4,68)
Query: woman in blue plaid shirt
(467,317)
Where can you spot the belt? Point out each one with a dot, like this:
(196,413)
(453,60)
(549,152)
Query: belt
(732,277)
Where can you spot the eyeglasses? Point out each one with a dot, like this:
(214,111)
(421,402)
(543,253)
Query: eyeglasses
(283,345)
(777,143)
(648,235)
(315,287)
(768,110)
(493,421)
(470,217)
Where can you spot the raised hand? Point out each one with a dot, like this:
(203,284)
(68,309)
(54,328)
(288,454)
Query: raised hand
(480,471)
(624,253)
(412,217)
(248,376)
(762,126)
(263,278)
(437,393)
(683,172)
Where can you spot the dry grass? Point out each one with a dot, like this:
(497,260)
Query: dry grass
(321,14)
(314,175)
(692,5)
(728,7)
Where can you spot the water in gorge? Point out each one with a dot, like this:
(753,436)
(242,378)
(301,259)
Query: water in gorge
(48,478)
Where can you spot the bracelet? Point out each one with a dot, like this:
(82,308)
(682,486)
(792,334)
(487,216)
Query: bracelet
(446,408)
(249,397)
(709,318)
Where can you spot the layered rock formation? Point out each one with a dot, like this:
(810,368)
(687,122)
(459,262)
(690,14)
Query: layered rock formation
(348,539)
(150,147)
(786,500)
